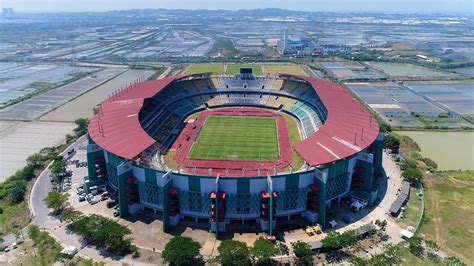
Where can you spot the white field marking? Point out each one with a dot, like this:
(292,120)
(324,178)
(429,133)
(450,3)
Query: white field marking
(346,143)
(328,150)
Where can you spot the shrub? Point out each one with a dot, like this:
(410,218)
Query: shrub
(181,251)
(104,233)
(233,252)
(263,251)
(303,252)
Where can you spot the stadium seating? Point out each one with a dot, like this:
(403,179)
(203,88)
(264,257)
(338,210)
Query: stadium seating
(162,115)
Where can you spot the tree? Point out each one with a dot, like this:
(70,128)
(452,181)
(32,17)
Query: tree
(303,252)
(335,240)
(104,233)
(263,251)
(69,138)
(382,224)
(412,175)
(384,127)
(415,245)
(36,160)
(391,142)
(233,252)
(16,191)
(181,251)
(56,201)
(81,128)
(70,215)
(58,167)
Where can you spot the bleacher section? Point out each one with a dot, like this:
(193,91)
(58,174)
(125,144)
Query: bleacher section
(162,114)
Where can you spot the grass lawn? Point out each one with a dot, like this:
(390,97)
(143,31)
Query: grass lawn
(238,138)
(294,139)
(233,69)
(412,210)
(449,212)
(13,218)
(288,69)
(215,69)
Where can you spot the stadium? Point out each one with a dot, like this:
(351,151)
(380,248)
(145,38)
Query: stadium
(234,152)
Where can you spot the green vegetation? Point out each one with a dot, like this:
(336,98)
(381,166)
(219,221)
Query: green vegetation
(233,69)
(81,126)
(14,213)
(336,240)
(281,68)
(412,175)
(263,251)
(182,251)
(104,233)
(224,46)
(215,69)
(391,142)
(449,198)
(233,253)
(293,132)
(303,252)
(392,255)
(56,201)
(243,138)
(48,250)
(413,210)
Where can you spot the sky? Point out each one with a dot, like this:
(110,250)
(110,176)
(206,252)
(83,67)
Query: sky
(392,6)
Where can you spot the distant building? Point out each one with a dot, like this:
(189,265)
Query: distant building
(8,11)
(299,46)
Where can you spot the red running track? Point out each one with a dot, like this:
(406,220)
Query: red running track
(228,168)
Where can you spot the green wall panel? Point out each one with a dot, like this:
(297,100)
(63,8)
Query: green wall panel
(243,185)
(150,176)
(194,183)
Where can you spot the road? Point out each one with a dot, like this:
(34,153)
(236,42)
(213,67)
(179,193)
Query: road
(43,220)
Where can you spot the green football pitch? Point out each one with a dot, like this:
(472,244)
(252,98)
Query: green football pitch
(237,138)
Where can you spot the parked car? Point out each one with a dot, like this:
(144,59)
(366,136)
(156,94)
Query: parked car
(104,196)
(111,203)
(82,198)
(116,213)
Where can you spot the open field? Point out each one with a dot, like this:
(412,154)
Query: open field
(289,69)
(237,138)
(450,150)
(233,69)
(215,69)
(18,80)
(37,106)
(82,106)
(449,212)
(18,140)
(408,70)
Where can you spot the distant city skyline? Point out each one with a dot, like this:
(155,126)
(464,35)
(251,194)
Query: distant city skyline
(388,6)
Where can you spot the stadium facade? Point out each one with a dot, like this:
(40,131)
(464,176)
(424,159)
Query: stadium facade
(139,126)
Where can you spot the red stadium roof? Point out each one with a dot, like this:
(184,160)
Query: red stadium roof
(116,127)
(349,127)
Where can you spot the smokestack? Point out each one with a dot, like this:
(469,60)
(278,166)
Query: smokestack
(285,40)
